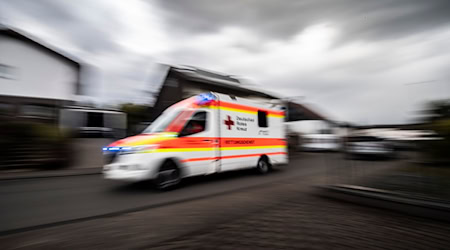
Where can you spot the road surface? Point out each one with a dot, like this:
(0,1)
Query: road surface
(34,202)
(230,211)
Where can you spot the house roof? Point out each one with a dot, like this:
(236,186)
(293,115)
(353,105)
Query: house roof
(231,82)
(308,112)
(218,79)
(30,39)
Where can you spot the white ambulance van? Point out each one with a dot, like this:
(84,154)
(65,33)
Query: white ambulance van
(205,134)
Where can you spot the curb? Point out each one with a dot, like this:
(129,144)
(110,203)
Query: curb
(387,200)
(48,174)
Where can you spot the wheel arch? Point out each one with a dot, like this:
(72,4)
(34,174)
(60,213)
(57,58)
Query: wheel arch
(266,158)
(176,161)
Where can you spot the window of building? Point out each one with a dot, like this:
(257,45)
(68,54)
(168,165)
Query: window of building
(172,82)
(95,120)
(295,113)
(195,125)
(7,72)
(38,111)
(262,119)
(6,109)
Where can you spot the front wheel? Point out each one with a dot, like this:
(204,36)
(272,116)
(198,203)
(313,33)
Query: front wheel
(168,176)
(263,166)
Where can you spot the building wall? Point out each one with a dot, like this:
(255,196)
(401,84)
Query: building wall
(170,93)
(177,87)
(35,72)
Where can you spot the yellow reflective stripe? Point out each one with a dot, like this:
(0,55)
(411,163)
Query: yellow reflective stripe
(147,141)
(239,110)
(275,115)
(244,111)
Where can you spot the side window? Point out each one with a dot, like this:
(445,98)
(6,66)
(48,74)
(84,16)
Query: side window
(195,125)
(262,119)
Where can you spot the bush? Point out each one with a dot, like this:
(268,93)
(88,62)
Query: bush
(30,144)
(136,114)
(438,151)
(437,118)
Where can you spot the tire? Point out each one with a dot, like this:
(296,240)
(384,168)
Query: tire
(168,176)
(263,166)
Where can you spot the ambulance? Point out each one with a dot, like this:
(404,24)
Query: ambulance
(205,134)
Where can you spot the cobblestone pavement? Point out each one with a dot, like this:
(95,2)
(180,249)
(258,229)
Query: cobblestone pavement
(310,222)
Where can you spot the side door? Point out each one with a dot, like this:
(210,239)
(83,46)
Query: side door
(198,138)
(238,137)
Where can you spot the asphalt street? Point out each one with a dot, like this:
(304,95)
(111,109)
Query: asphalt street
(236,210)
(25,204)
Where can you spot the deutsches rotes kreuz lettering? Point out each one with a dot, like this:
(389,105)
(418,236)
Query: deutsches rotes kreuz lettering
(241,123)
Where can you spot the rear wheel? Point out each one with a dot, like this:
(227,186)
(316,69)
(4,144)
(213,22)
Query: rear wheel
(263,166)
(168,176)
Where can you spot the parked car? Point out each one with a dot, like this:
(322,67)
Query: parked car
(320,142)
(87,122)
(366,146)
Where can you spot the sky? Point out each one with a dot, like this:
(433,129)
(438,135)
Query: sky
(359,61)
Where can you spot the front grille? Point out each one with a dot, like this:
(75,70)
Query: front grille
(110,157)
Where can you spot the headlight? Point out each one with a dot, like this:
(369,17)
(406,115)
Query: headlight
(138,149)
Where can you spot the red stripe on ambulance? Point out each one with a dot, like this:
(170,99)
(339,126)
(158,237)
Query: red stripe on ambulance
(231,157)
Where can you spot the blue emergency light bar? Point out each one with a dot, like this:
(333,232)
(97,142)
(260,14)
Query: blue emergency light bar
(205,98)
(115,149)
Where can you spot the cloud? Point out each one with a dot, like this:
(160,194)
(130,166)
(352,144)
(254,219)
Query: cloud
(351,58)
(360,81)
(87,24)
(115,40)
(361,19)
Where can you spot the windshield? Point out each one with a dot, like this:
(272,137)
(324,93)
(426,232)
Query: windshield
(162,122)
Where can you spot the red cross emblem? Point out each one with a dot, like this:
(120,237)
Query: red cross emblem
(229,122)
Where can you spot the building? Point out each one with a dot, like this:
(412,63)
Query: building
(183,82)
(35,79)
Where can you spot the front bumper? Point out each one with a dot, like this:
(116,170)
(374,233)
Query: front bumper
(369,151)
(127,171)
(320,147)
(127,175)
(131,168)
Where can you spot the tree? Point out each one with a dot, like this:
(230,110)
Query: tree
(437,110)
(136,114)
(437,118)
